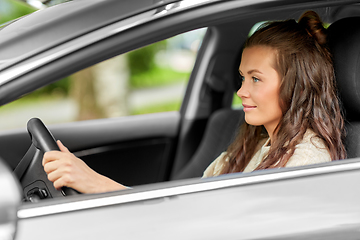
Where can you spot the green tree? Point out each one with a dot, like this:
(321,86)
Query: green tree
(143,60)
(11,9)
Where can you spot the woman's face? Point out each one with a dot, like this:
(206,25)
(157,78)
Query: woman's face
(260,88)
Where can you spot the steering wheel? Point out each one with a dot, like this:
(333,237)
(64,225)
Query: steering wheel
(30,171)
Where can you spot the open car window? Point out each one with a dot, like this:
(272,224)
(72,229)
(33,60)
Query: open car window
(147,80)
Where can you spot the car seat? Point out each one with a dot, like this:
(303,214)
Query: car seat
(344,43)
(220,130)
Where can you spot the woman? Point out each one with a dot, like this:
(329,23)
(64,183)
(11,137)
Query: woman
(287,87)
(288,91)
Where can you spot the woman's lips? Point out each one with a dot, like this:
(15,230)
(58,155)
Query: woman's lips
(248,107)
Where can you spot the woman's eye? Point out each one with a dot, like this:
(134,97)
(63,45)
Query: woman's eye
(242,78)
(255,79)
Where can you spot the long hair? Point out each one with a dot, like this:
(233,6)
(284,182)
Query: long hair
(308,95)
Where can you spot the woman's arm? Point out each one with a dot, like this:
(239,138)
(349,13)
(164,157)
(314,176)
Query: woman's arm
(65,169)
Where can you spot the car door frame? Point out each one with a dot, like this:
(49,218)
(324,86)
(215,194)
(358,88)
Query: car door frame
(316,201)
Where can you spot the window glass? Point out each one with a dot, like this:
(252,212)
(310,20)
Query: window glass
(147,80)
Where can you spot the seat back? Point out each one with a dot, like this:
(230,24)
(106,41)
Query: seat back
(344,43)
(220,130)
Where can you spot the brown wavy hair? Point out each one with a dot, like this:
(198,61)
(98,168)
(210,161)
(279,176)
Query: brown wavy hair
(308,95)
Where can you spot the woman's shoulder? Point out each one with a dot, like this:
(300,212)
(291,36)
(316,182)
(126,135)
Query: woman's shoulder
(312,140)
(310,150)
(216,167)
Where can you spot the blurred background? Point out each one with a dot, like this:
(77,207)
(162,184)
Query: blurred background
(147,80)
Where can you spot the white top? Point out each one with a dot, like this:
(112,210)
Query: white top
(310,150)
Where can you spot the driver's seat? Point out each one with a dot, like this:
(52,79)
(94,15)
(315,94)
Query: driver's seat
(344,43)
(219,132)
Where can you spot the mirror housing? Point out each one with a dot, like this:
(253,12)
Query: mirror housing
(10,200)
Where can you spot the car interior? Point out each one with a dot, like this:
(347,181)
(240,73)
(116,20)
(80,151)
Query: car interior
(343,41)
(152,151)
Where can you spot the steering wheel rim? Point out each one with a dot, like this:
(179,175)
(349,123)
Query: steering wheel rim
(30,171)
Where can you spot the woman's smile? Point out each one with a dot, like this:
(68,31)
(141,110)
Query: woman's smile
(248,108)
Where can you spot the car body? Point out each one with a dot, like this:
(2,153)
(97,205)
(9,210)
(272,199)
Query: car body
(310,202)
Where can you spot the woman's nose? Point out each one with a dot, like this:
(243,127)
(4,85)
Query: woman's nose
(243,92)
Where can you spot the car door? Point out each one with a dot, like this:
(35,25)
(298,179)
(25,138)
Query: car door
(311,202)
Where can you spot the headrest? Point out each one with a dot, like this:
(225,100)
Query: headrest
(344,43)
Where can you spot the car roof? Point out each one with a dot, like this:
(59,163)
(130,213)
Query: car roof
(55,25)
(49,27)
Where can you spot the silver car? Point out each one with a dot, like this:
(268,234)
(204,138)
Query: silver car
(163,155)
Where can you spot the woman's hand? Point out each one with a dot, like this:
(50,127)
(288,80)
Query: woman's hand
(65,169)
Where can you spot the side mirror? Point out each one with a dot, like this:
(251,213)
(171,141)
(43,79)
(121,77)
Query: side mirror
(10,200)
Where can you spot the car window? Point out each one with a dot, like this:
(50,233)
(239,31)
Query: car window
(147,80)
